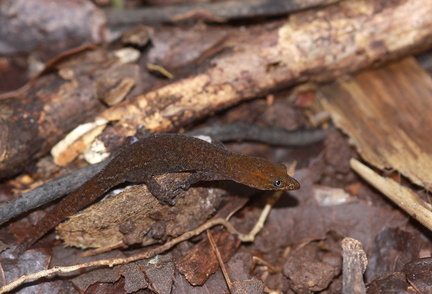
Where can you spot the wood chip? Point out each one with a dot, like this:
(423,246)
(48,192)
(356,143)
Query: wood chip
(385,114)
(354,265)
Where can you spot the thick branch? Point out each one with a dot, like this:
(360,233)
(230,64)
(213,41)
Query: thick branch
(314,45)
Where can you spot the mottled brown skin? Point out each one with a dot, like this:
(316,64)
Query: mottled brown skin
(154,155)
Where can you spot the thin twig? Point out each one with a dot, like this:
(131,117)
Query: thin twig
(263,217)
(402,196)
(149,254)
(273,269)
(49,191)
(219,258)
(272,136)
(101,250)
(118,261)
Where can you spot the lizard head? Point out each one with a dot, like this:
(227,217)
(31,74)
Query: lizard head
(264,175)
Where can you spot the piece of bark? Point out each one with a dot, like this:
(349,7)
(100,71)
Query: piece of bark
(418,274)
(354,265)
(388,130)
(317,45)
(391,283)
(308,269)
(396,247)
(136,217)
(54,104)
(201,261)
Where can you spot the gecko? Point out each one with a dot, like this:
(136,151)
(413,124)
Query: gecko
(141,160)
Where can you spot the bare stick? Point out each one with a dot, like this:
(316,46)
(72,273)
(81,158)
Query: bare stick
(118,261)
(273,136)
(402,196)
(263,217)
(219,258)
(48,192)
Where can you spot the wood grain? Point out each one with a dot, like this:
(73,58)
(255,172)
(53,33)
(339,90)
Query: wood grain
(386,114)
(317,45)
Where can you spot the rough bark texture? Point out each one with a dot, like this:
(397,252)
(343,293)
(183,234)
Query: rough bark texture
(317,45)
(313,45)
(136,217)
(33,122)
(354,265)
(385,117)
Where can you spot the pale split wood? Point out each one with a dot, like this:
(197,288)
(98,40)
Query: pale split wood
(387,115)
(401,196)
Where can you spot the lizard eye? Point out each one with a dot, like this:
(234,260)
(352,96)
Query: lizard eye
(277,183)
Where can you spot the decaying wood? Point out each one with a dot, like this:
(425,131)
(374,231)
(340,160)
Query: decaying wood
(383,112)
(117,261)
(55,103)
(317,44)
(354,265)
(400,195)
(136,217)
(313,45)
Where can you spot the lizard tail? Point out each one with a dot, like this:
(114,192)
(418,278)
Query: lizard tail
(85,195)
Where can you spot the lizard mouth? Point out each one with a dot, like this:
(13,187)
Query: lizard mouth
(295,185)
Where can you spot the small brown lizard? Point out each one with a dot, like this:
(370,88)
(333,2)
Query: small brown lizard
(153,155)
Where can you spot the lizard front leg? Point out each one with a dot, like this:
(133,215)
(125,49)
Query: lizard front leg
(195,177)
(162,194)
